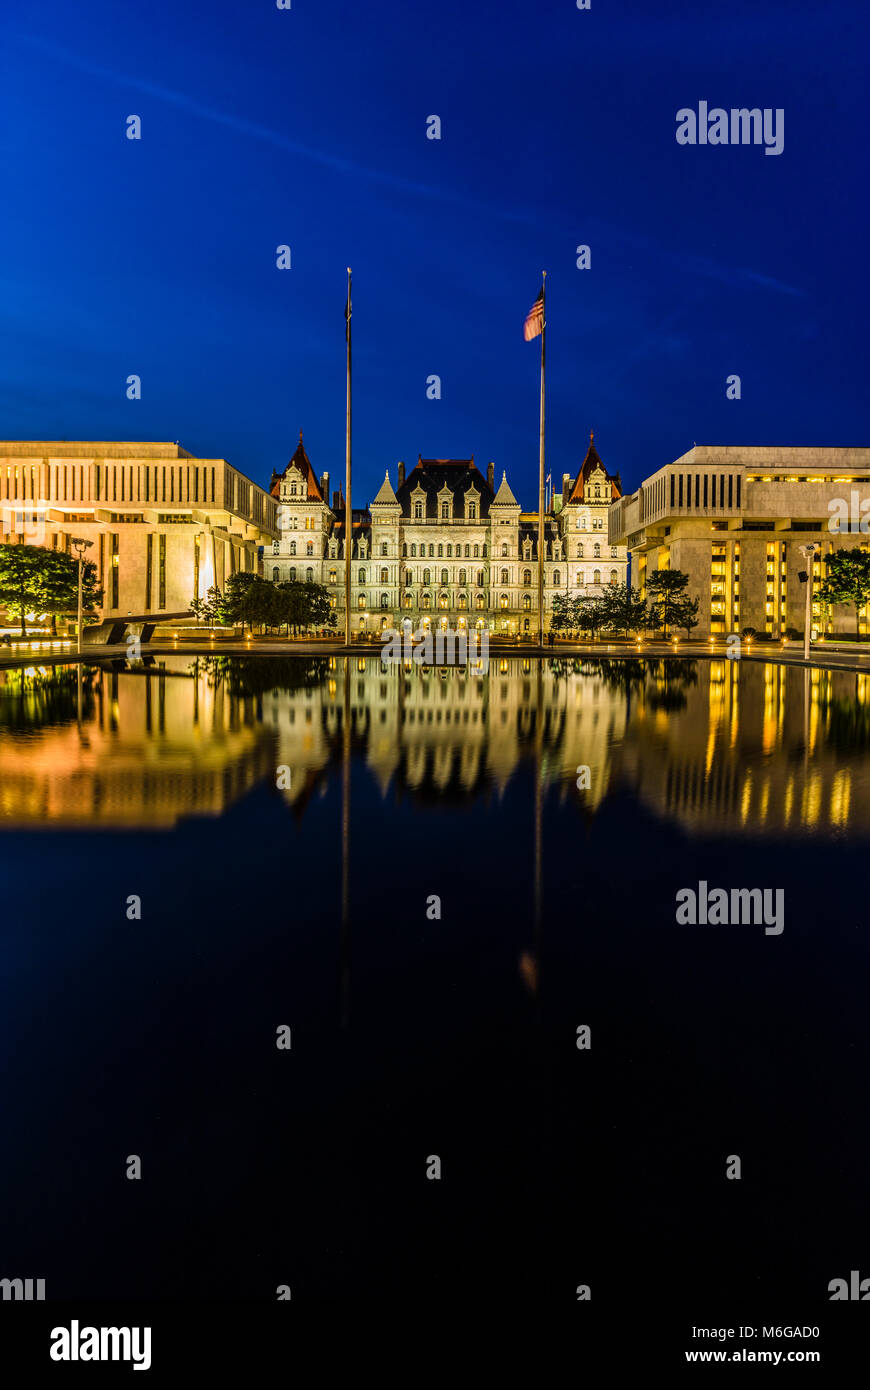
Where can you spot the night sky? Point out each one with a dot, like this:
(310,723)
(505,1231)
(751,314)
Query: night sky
(308,127)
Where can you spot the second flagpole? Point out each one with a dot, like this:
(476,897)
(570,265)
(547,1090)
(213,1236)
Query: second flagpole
(348,514)
(541,467)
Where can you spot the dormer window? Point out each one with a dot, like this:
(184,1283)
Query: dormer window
(445,511)
(418,511)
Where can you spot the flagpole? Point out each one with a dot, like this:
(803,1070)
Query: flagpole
(541,468)
(348,513)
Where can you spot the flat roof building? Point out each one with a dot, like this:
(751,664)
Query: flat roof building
(165,526)
(733,518)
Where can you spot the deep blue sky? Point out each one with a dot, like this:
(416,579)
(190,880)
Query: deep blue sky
(262,127)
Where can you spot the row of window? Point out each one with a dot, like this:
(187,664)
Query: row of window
(445,510)
(426,577)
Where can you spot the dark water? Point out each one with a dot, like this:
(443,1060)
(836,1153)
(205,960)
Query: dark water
(411,1037)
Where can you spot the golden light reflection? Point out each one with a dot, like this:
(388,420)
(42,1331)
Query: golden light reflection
(183,736)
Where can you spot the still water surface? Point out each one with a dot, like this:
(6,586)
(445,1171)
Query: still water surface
(306,905)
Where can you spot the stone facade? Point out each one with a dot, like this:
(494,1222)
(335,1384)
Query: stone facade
(734,519)
(164,526)
(446,545)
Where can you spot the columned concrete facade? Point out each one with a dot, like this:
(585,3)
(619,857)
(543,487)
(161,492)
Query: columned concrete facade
(164,526)
(734,519)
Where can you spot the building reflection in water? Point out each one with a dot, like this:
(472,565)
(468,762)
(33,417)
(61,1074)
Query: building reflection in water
(154,743)
(725,746)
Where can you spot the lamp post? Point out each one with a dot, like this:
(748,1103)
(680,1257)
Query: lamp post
(808,551)
(79,546)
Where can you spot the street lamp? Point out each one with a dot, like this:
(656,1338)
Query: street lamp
(80,546)
(806,577)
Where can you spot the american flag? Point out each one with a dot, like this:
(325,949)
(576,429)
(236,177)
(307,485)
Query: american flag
(534,324)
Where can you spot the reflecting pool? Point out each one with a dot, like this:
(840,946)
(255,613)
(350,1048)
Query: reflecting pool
(433,877)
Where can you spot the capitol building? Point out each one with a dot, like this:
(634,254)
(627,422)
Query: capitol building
(446,543)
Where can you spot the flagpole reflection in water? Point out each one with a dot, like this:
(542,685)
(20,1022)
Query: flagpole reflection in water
(344,942)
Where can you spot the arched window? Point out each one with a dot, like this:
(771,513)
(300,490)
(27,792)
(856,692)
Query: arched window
(472,511)
(385,575)
(309,549)
(413,552)
(504,577)
(445,511)
(292,489)
(480,579)
(385,602)
(362,576)
(361,601)
(596,552)
(418,511)
(292,574)
(444,579)
(292,547)
(442,602)
(467,551)
(556,578)
(462,601)
(408,601)
(614,577)
(332,576)
(462,578)
(426,601)
(405,550)
(527,603)
(476,551)
(276,574)
(504,548)
(478,602)
(440,551)
(503,601)
(309,575)
(431,551)
(596,578)
(527,576)
(427,577)
(450,552)
(484,550)
(580,580)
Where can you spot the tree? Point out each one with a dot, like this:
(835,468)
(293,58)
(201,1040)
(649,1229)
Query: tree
(208,609)
(666,588)
(564,614)
(247,599)
(847,580)
(318,610)
(624,609)
(591,615)
(59,586)
(685,614)
(34,579)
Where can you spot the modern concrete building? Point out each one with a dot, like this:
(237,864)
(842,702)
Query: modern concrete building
(447,545)
(164,526)
(734,519)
